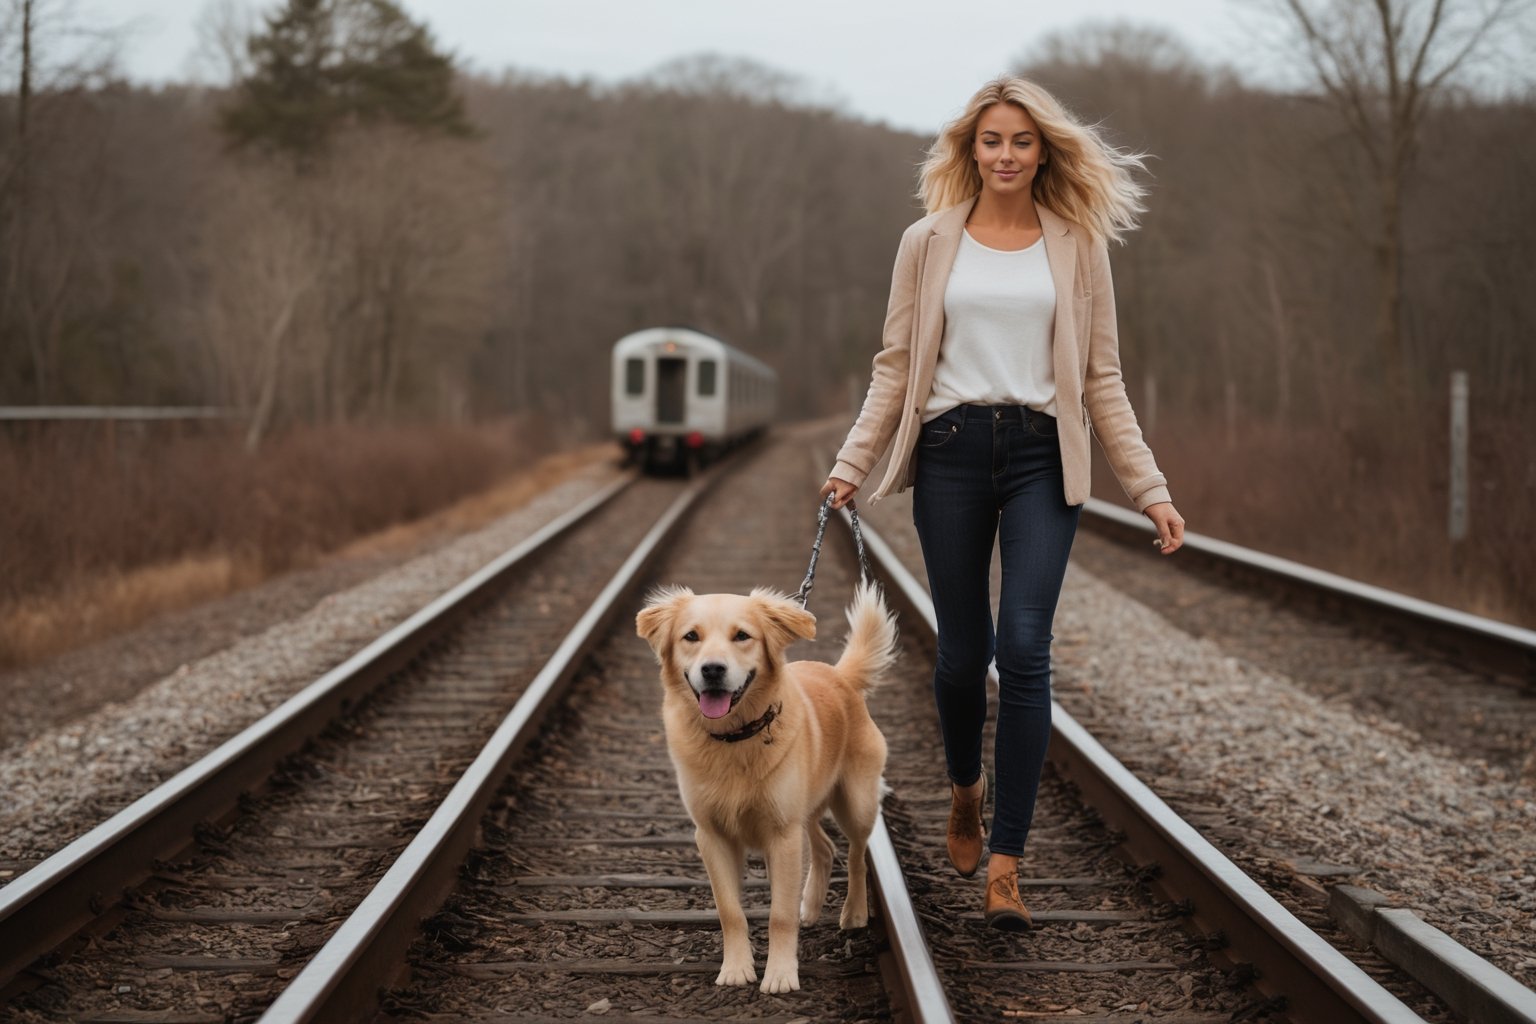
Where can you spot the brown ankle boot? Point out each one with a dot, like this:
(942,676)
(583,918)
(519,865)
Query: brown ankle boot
(1004,908)
(964,841)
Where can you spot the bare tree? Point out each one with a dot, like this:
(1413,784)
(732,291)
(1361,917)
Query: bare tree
(52,54)
(356,291)
(408,282)
(221,54)
(1381,65)
(251,311)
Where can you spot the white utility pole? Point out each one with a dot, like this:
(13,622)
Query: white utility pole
(1458,516)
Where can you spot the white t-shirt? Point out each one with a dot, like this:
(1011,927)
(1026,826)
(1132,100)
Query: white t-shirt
(999,314)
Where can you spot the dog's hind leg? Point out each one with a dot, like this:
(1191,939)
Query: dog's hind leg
(725,861)
(855,811)
(820,874)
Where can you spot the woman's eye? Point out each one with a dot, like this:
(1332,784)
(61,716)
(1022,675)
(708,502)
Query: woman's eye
(741,635)
(692,636)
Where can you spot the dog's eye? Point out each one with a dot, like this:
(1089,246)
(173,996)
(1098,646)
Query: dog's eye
(741,635)
(692,636)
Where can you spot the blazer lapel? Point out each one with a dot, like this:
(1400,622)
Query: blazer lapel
(937,263)
(1061,254)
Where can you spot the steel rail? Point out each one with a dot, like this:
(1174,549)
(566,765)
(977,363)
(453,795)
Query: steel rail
(49,904)
(341,982)
(922,988)
(1508,647)
(1317,982)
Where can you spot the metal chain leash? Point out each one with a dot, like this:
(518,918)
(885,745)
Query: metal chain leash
(821,529)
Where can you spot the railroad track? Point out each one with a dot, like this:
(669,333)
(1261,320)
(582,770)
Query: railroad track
(1501,652)
(584,893)
(233,875)
(1177,930)
(1375,656)
(1460,681)
(527,935)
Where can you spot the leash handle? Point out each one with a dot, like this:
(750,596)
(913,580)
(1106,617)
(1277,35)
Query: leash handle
(821,528)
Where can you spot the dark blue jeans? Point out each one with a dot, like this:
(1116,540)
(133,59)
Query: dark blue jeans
(985,472)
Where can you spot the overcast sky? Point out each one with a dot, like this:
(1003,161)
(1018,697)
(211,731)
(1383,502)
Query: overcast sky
(898,61)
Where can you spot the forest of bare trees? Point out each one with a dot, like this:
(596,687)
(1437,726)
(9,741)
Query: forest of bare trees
(390,240)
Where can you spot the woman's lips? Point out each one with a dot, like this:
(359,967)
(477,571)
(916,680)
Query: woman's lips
(1007,174)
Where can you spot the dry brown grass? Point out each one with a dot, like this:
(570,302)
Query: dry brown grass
(106,532)
(32,630)
(477,510)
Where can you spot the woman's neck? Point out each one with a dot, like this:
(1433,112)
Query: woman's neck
(1013,213)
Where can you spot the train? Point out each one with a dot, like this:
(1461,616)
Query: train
(682,397)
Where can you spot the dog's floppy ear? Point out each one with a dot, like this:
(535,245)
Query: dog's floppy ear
(785,619)
(655,619)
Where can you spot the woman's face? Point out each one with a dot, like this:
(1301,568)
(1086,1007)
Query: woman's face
(1008,149)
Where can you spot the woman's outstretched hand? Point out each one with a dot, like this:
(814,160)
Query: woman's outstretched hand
(841,490)
(1170,526)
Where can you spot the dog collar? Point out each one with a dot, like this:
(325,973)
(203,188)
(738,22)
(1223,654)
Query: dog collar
(752,728)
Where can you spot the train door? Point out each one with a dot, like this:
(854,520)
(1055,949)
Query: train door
(671,390)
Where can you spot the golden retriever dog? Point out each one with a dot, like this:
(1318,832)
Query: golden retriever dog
(763,749)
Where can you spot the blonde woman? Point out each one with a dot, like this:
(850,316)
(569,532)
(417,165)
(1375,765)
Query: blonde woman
(999,353)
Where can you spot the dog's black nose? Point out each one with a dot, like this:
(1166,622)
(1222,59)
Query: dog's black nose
(713,672)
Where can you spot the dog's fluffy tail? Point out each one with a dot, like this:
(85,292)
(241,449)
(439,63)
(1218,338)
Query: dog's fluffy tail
(871,647)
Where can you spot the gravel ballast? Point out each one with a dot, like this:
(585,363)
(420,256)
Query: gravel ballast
(71,777)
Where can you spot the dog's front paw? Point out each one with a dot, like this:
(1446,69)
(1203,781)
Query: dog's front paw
(781,979)
(809,912)
(736,974)
(854,917)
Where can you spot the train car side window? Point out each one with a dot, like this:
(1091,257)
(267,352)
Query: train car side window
(634,376)
(706,377)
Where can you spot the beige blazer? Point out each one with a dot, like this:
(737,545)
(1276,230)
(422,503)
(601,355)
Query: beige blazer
(1086,357)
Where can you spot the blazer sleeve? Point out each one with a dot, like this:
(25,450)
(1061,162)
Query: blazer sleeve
(1104,395)
(887,395)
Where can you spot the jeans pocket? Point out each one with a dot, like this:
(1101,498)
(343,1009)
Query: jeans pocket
(1041,425)
(937,435)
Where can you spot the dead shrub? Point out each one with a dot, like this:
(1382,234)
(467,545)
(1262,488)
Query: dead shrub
(106,527)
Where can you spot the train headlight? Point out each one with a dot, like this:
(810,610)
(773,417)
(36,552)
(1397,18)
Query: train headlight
(637,436)
(695,440)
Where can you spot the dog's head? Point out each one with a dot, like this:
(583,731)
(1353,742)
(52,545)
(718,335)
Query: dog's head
(721,646)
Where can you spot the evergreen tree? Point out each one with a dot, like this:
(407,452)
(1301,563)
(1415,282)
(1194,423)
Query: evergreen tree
(321,65)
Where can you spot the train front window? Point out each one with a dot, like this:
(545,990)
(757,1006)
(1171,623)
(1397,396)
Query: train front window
(634,376)
(706,378)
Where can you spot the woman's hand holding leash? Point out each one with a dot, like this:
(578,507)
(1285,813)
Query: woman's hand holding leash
(1170,526)
(841,490)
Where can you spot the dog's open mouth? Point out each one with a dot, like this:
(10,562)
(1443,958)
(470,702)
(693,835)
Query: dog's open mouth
(718,703)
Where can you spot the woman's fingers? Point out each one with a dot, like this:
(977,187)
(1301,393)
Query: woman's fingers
(1170,527)
(841,490)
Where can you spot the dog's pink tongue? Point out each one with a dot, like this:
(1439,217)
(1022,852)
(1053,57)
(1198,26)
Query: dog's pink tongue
(714,704)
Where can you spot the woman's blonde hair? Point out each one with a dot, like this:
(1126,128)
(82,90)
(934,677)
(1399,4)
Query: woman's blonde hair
(1083,178)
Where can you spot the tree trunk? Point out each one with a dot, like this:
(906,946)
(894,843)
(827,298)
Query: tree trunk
(24,93)
(1282,327)
(1389,266)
